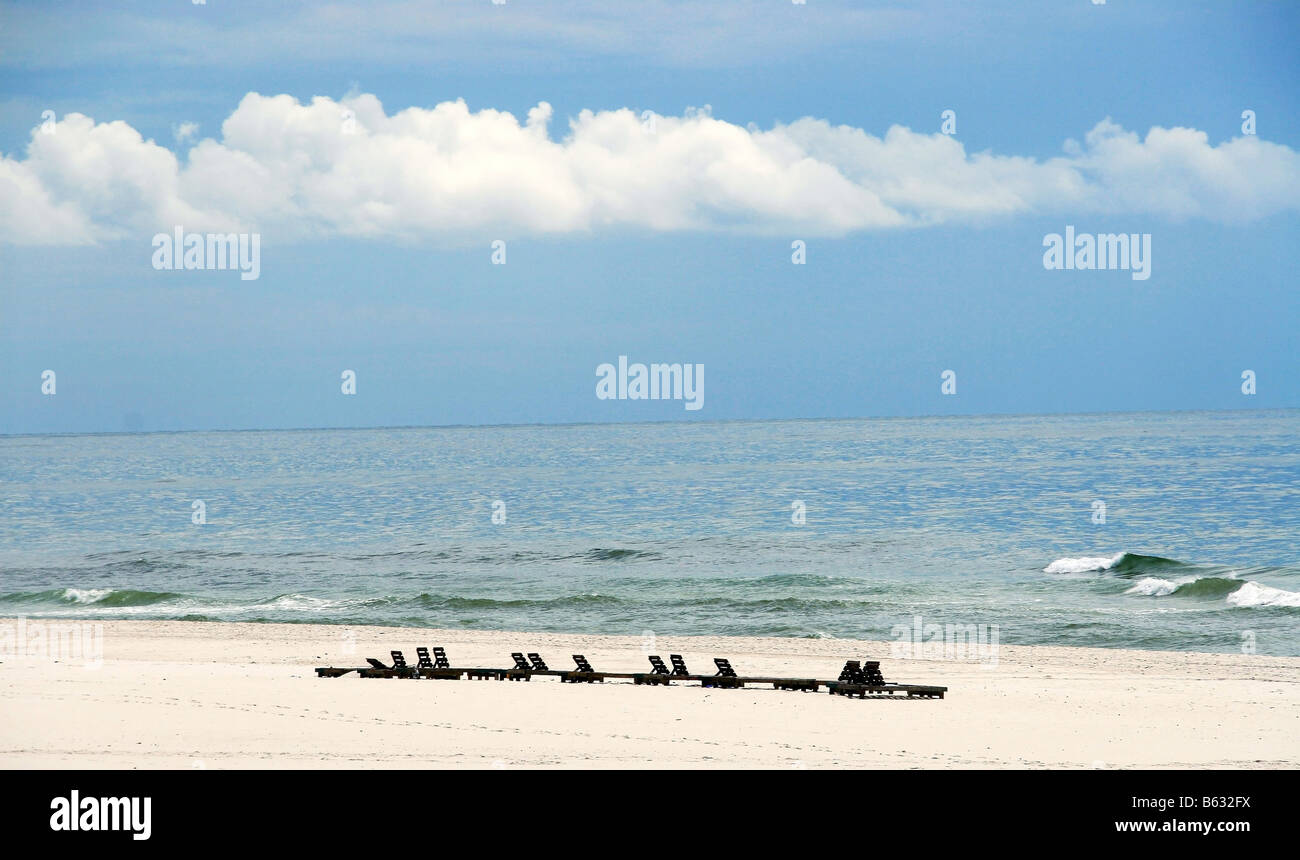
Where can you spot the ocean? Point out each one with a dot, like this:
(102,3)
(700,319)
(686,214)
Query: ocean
(1170,531)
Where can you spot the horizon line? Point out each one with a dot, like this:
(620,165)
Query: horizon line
(463,426)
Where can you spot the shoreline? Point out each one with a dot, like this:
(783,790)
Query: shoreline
(211,694)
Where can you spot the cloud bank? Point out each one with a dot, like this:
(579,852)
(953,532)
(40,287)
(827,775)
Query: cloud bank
(348,169)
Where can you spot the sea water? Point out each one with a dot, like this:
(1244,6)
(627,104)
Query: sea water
(1173,531)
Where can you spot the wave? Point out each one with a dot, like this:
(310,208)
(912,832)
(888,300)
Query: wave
(429,601)
(1157,576)
(1154,586)
(1121,564)
(89,597)
(173,604)
(1087,564)
(73,598)
(619,555)
(1205,587)
(1253,594)
(139,562)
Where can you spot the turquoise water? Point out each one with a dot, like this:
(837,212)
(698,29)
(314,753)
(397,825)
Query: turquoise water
(681,528)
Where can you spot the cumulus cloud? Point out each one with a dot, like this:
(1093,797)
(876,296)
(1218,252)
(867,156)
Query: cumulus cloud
(347,168)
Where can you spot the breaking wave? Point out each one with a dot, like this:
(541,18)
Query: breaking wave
(1122,564)
(1207,586)
(1157,576)
(1253,594)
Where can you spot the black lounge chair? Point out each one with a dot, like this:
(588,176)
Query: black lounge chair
(522,671)
(399,669)
(852,673)
(376,669)
(658,675)
(852,681)
(539,665)
(584,673)
(440,658)
(679,665)
(428,668)
(725,678)
(864,679)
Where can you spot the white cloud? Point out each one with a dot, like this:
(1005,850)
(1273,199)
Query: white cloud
(185,132)
(347,168)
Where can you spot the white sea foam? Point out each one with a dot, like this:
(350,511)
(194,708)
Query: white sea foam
(1154,586)
(1082,565)
(1254,594)
(86,595)
(300,602)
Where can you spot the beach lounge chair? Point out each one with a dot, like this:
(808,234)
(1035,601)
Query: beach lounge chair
(440,658)
(725,678)
(375,670)
(428,668)
(521,671)
(852,681)
(658,676)
(399,669)
(852,673)
(539,665)
(679,665)
(584,673)
(863,679)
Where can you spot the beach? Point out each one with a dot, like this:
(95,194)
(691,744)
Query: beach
(215,695)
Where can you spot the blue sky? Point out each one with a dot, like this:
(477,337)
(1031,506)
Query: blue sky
(924,252)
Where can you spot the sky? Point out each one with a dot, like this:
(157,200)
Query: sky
(648,170)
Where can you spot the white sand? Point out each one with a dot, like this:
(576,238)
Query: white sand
(196,694)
